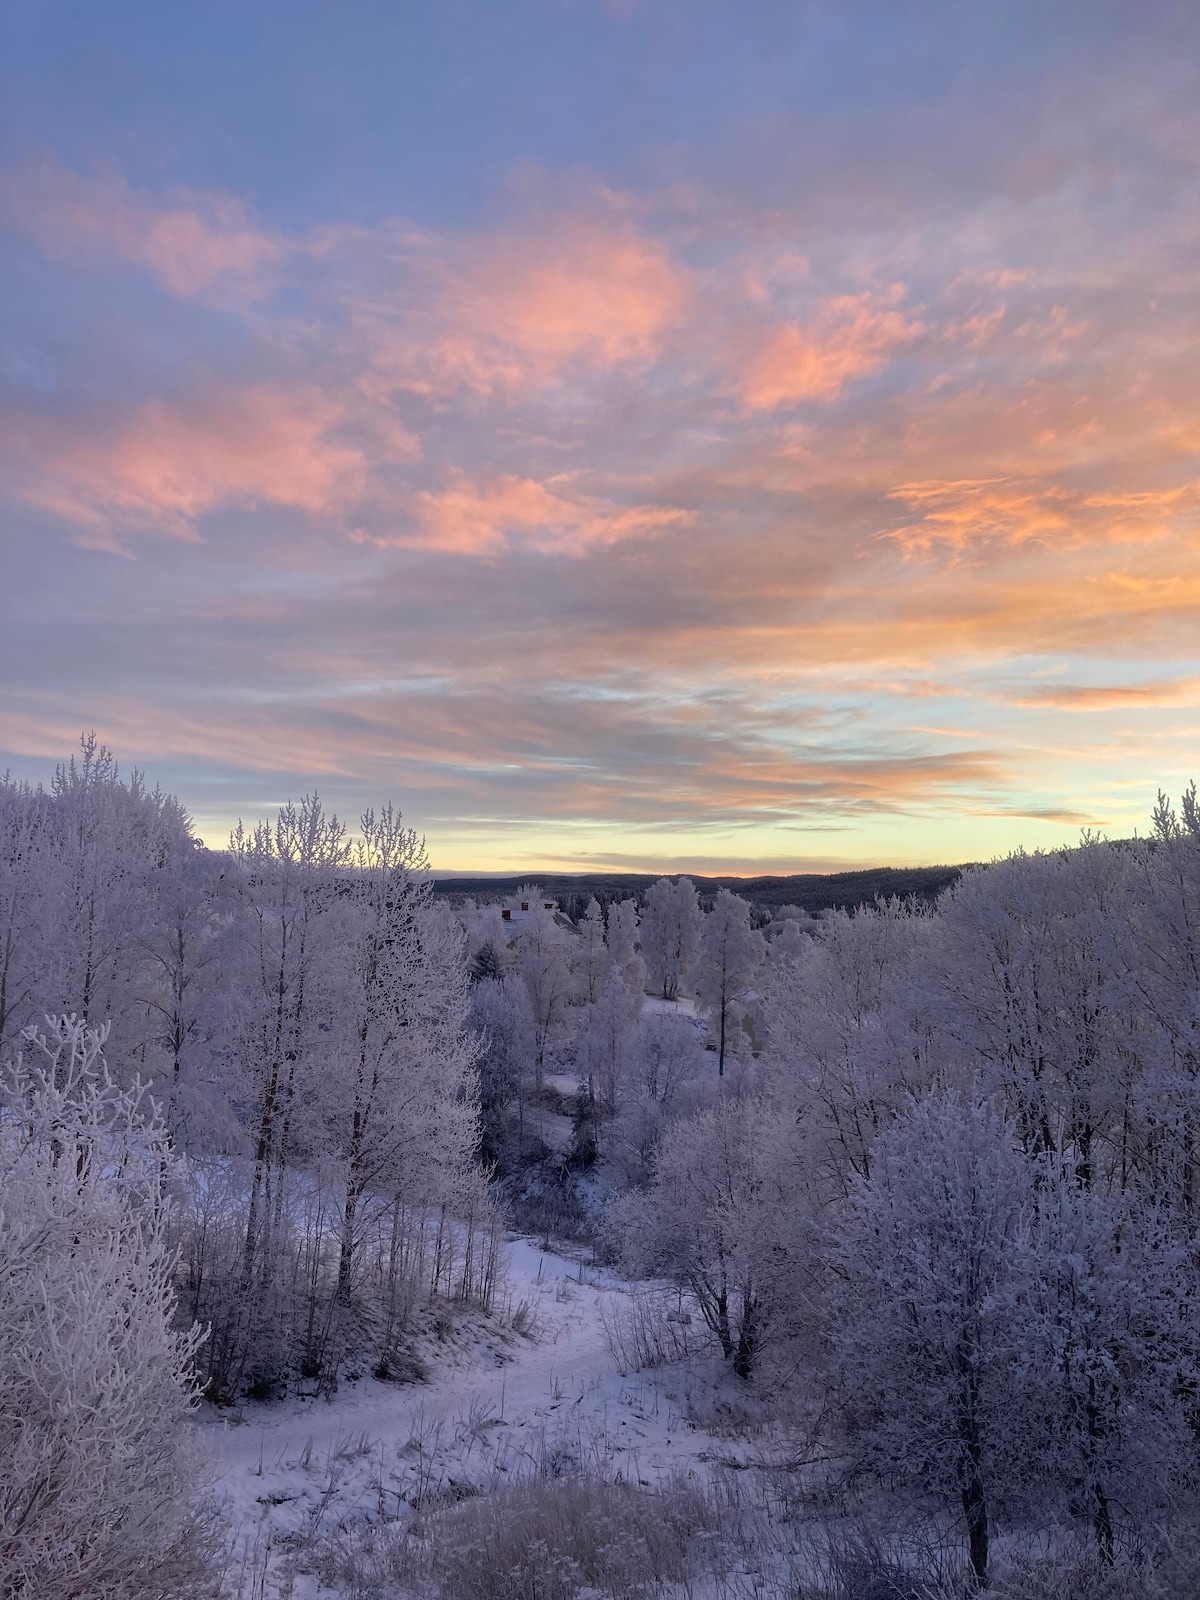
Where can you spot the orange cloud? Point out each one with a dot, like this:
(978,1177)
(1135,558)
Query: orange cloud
(207,243)
(1156,592)
(1084,697)
(969,512)
(853,336)
(1010,511)
(480,519)
(171,464)
(1147,514)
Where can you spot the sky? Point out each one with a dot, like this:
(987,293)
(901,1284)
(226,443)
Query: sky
(666,434)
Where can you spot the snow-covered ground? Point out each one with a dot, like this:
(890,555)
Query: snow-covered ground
(655,1005)
(501,1403)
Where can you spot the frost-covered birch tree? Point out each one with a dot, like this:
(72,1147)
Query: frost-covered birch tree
(1108,1341)
(930,1260)
(592,962)
(544,963)
(109,836)
(288,920)
(731,952)
(26,879)
(403,1118)
(721,1189)
(850,1026)
(501,1018)
(622,935)
(670,934)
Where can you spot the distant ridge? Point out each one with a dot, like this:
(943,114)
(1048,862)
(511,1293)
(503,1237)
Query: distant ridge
(811,891)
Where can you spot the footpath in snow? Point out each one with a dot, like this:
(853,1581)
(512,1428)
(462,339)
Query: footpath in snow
(549,1401)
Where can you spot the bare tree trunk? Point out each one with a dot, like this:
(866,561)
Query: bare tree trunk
(974,1499)
(748,1337)
(975,1507)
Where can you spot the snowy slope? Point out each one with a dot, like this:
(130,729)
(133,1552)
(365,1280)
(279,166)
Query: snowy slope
(513,1404)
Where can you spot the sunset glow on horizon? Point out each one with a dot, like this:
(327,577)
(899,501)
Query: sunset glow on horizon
(662,435)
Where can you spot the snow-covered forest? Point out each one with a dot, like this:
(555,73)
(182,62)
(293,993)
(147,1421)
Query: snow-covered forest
(349,1239)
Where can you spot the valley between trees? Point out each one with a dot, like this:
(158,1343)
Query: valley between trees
(670,1243)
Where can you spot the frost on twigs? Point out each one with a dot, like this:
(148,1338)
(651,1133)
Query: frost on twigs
(98,1475)
(653,1326)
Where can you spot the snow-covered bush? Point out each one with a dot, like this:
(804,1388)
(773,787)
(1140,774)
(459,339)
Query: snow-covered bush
(1079,1572)
(550,1539)
(98,1475)
(545,1539)
(654,1327)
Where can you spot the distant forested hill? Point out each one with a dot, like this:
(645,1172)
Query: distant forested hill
(810,891)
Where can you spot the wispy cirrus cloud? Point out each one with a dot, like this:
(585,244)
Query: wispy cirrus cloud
(1111,697)
(851,336)
(1010,511)
(483,750)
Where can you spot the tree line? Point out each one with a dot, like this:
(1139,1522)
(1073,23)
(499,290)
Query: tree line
(951,1206)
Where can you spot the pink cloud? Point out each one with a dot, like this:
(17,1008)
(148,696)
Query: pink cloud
(851,337)
(513,312)
(208,242)
(171,464)
(483,518)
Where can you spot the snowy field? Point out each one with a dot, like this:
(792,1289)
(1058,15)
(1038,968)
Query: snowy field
(534,1392)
